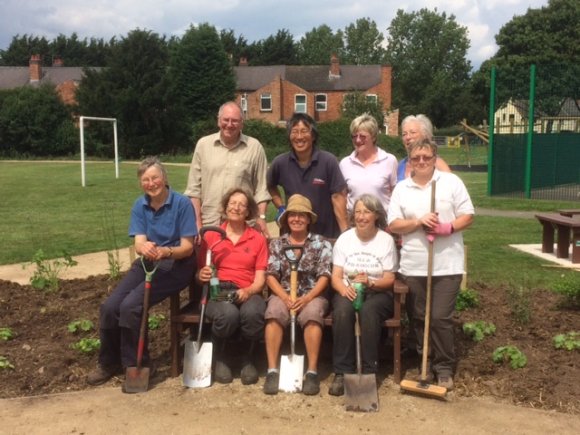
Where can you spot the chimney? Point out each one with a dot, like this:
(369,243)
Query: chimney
(334,67)
(57,61)
(243,61)
(35,68)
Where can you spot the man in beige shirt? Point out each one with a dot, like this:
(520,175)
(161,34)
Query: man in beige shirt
(224,160)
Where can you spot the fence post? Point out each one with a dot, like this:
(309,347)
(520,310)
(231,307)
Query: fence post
(530,139)
(491,132)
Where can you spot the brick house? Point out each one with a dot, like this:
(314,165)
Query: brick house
(273,93)
(65,79)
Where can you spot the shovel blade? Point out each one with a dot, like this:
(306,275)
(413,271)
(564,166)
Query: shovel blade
(361,393)
(136,380)
(197,364)
(291,373)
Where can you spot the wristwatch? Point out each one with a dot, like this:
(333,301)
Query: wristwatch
(262,216)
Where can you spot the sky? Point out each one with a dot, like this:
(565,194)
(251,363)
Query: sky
(254,19)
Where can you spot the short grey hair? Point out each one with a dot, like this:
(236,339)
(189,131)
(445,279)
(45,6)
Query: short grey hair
(372,203)
(423,144)
(367,123)
(424,124)
(149,162)
(230,103)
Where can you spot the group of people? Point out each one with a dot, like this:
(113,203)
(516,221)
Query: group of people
(342,216)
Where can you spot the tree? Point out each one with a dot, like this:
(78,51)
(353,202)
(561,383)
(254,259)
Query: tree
(356,103)
(234,47)
(134,89)
(201,74)
(427,51)
(316,46)
(278,49)
(22,47)
(364,43)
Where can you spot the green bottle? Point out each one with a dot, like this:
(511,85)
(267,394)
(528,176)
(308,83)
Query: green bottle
(214,285)
(360,294)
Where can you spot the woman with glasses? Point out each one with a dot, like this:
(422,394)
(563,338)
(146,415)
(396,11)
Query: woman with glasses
(410,215)
(415,128)
(368,169)
(240,263)
(362,256)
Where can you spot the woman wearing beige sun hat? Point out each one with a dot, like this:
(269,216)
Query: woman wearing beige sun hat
(314,269)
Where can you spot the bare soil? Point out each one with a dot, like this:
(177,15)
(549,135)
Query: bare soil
(44,362)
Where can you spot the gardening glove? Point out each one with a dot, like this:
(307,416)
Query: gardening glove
(281,210)
(442,229)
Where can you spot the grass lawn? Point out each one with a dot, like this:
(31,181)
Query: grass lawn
(46,208)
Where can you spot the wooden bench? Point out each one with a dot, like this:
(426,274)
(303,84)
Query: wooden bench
(568,227)
(185,316)
(570,212)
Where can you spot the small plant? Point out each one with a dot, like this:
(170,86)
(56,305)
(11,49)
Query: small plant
(87,345)
(155,321)
(510,354)
(5,364)
(109,232)
(569,341)
(47,271)
(6,334)
(478,330)
(466,299)
(114,264)
(520,303)
(80,325)
(569,287)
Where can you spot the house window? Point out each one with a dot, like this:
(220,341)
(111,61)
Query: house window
(372,98)
(244,103)
(512,118)
(266,102)
(321,102)
(503,117)
(300,103)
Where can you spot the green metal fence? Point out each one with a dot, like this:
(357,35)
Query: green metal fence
(534,133)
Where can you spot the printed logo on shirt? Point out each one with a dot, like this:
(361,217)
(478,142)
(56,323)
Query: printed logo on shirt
(318,182)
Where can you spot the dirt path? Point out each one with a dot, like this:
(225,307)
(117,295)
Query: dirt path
(170,408)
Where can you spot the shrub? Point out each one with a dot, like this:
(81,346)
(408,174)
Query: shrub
(466,299)
(569,287)
(48,271)
(519,299)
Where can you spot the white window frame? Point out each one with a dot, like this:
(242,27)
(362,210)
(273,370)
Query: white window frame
(297,104)
(266,96)
(244,103)
(372,98)
(321,106)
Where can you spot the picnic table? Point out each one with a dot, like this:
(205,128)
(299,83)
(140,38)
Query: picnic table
(567,225)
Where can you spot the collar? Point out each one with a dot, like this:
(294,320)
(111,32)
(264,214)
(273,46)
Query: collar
(408,182)
(313,157)
(144,200)
(242,140)
(381,155)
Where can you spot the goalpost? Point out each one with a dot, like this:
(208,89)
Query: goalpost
(82,134)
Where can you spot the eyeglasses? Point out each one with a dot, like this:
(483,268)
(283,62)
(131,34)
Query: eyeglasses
(362,137)
(362,212)
(239,205)
(417,159)
(303,132)
(234,122)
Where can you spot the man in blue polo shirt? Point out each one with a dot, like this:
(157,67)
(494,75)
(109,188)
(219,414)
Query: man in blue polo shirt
(310,172)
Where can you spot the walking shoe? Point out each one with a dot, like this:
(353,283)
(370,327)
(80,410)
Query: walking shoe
(337,386)
(249,374)
(272,383)
(102,374)
(222,373)
(311,384)
(446,381)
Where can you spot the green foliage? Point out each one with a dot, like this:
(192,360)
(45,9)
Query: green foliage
(6,334)
(510,354)
(569,341)
(466,298)
(478,330)
(87,345)
(110,235)
(428,53)
(155,321)
(201,74)
(278,49)
(317,45)
(273,138)
(234,47)
(357,103)
(5,364)
(363,43)
(80,325)
(569,287)
(519,299)
(34,121)
(47,272)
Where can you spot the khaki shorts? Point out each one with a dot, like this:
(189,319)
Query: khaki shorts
(314,311)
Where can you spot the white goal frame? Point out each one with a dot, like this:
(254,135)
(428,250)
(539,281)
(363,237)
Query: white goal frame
(82,134)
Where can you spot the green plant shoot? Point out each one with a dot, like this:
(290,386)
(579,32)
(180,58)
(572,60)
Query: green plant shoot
(87,345)
(466,299)
(48,271)
(155,321)
(510,354)
(569,341)
(6,334)
(478,330)
(5,364)
(80,325)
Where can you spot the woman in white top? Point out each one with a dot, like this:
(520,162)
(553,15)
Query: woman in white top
(410,216)
(368,169)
